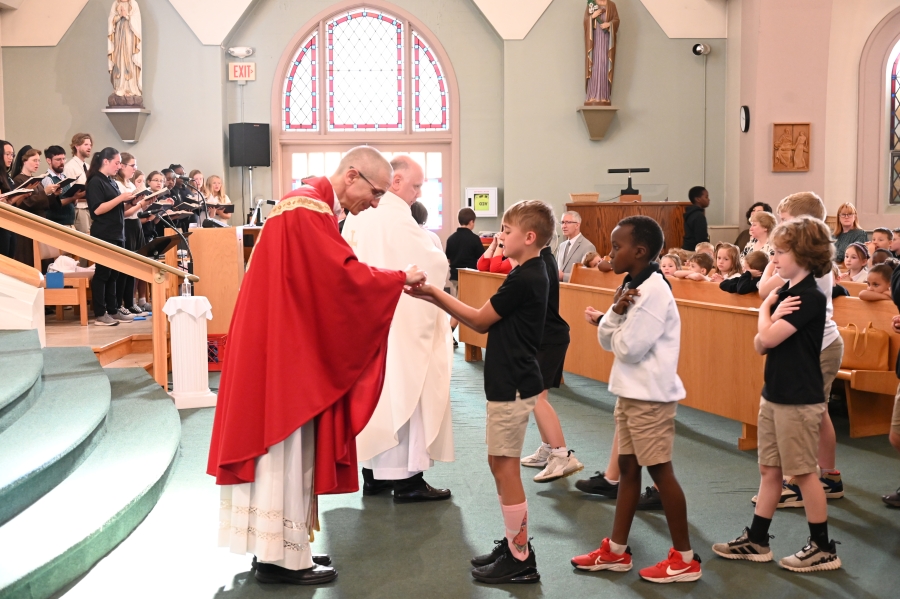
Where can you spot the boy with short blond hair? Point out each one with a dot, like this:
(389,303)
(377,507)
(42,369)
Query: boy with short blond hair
(807,203)
(514,321)
(705,248)
(790,330)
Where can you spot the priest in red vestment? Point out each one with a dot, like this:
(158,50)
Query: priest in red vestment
(294,393)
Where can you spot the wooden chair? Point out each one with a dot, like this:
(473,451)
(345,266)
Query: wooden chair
(74,293)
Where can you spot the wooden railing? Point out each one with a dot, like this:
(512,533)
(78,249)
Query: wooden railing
(156,274)
(21,272)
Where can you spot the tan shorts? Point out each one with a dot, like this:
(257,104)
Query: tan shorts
(454,288)
(830,362)
(895,418)
(506,425)
(788,436)
(646,429)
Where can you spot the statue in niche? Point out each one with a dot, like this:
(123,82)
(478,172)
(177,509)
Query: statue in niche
(124,54)
(601,24)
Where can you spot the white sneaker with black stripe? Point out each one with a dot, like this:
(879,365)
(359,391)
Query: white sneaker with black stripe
(812,558)
(743,548)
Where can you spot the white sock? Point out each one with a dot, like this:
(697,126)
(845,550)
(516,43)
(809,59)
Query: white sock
(687,556)
(616,548)
(560,452)
(612,482)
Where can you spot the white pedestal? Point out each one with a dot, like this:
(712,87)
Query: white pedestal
(190,373)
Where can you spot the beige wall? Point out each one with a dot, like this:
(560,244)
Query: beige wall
(50,93)
(658,88)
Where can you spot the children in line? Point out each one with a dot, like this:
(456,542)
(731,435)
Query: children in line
(514,321)
(790,331)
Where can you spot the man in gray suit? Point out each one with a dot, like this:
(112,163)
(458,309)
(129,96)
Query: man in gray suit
(572,250)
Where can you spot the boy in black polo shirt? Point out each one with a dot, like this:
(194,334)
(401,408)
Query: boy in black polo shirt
(791,326)
(514,321)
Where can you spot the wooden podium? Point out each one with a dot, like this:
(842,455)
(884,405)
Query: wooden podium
(598,219)
(219,262)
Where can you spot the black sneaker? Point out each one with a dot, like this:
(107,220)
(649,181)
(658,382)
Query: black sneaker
(500,547)
(509,570)
(598,485)
(892,500)
(650,500)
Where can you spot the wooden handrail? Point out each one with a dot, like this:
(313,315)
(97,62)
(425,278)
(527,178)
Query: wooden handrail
(156,274)
(75,242)
(21,272)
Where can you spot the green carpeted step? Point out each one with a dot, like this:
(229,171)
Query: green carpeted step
(21,362)
(48,441)
(73,526)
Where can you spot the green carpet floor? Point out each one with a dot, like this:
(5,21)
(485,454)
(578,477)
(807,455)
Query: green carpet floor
(387,551)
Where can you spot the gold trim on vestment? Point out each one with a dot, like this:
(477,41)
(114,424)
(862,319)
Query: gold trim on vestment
(290,204)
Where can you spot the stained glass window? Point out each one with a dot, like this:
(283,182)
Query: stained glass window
(365,71)
(429,89)
(895,133)
(300,89)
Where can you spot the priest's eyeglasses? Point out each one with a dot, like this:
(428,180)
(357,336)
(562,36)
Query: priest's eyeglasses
(376,193)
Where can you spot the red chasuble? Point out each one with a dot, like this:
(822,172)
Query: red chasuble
(308,340)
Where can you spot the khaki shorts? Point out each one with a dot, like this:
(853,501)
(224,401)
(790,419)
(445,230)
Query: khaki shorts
(646,429)
(830,362)
(788,436)
(895,418)
(506,425)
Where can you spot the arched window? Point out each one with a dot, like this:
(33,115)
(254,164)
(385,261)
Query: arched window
(894,121)
(368,75)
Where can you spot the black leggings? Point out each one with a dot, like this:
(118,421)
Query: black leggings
(103,287)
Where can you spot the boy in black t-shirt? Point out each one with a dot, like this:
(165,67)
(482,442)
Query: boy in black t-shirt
(791,328)
(514,321)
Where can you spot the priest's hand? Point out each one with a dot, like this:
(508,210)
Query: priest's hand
(414,276)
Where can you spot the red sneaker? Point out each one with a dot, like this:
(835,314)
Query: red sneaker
(604,559)
(673,569)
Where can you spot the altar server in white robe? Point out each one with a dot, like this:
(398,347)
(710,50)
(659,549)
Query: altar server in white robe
(412,426)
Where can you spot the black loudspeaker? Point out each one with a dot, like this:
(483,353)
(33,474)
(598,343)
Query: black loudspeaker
(248,144)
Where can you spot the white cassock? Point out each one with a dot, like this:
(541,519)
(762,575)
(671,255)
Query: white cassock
(412,425)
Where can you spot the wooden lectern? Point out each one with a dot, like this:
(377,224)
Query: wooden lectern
(598,219)
(219,262)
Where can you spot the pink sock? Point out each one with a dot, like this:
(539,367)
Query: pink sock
(515,518)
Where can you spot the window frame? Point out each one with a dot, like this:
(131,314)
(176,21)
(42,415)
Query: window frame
(446,141)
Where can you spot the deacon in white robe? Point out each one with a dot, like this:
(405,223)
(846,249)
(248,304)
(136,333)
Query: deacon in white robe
(412,425)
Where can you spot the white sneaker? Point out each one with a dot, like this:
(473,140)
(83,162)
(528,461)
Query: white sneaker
(539,458)
(106,321)
(119,317)
(559,467)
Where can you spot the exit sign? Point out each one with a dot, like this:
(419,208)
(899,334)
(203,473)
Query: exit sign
(242,71)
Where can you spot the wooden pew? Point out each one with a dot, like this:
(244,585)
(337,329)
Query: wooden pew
(870,393)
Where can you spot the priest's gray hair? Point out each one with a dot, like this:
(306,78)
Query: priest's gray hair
(575,216)
(366,159)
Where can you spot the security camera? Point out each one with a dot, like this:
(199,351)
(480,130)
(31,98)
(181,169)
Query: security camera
(240,51)
(700,49)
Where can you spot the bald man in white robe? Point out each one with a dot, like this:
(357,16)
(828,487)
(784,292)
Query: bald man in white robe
(412,425)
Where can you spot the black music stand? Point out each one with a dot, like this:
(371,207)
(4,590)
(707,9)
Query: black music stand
(158,247)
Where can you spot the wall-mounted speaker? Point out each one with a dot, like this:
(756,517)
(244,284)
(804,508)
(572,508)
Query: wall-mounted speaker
(248,144)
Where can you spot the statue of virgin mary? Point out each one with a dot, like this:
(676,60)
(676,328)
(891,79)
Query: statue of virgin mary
(601,24)
(124,54)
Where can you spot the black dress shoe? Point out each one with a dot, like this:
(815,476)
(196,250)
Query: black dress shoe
(423,493)
(650,500)
(598,485)
(321,559)
(373,486)
(272,574)
(892,500)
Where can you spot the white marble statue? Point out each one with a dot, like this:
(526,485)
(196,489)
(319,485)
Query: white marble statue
(124,54)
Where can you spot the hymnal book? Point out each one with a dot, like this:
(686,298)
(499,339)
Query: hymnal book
(16,192)
(73,189)
(31,181)
(226,208)
(146,194)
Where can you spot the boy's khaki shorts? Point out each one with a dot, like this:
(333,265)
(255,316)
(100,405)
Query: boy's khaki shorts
(506,425)
(646,429)
(788,436)
(895,417)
